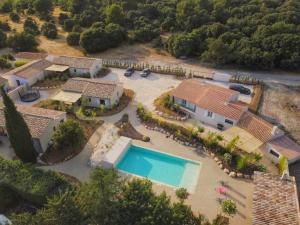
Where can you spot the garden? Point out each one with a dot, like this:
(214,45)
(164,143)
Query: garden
(232,160)
(71,136)
(126,129)
(88,111)
(165,107)
(52,80)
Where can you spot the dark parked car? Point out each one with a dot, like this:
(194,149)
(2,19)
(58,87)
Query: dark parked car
(129,71)
(240,88)
(145,72)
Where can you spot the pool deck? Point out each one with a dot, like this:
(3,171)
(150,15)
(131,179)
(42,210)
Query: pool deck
(205,198)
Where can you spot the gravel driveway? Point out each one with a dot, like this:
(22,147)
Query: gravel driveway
(146,89)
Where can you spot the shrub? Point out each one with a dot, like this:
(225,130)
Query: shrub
(211,140)
(62,17)
(4,63)
(282,165)
(201,129)
(4,26)
(227,157)
(7,198)
(14,17)
(231,145)
(182,194)
(49,30)
(243,162)
(146,138)
(69,24)
(3,38)
(73,38)
(261,168)
(31,26)
(22,42)
(229,207)
(68,134)
(20,63)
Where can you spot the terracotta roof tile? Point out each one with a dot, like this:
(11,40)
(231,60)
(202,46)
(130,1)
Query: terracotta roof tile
(37,119)
(211,97)
(275,200)
(30,69)
(257,126)
(31,55)
(75,62)
(91,87)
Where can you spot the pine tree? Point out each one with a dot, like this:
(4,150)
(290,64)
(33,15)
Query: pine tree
(18,131)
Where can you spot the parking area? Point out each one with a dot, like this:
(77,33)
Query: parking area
(149,88)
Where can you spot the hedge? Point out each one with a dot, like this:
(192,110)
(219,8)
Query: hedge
(32,184)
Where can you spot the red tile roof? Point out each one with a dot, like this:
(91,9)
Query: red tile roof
(37,119)
(75,62)
(30,69)
(286,146)
(91,87)
(211,97)
(275,200)
(31,55)
(257,126)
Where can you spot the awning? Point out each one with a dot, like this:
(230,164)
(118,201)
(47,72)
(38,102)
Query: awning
(57,68)
(67,97)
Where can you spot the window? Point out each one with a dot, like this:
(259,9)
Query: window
(54,128)
(229,121)
(209,114)
(183,102)
(90,99)
(102,102)
(272,152)
(74,70)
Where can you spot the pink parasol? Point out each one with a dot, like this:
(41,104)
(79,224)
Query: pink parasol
(221,190)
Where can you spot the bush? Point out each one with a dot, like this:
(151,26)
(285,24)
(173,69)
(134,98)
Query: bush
(7,198)
(62,17)
(4,26)
(229,207)
(146,138)
(31,26)
(69,24)
(73,38)
(22,42)
(282,165)
(14,17)
(3,39)
(243,162)
(20,63)
(68,134)
(227,158)
(49,30)
(4,63)
(182,194)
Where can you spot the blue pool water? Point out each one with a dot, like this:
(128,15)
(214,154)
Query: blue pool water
(160,167)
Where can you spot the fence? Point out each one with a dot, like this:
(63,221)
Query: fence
(244,80)
(256,99)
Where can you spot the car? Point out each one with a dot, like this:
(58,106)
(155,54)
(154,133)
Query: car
(129,71)
(145,73)
(240,88)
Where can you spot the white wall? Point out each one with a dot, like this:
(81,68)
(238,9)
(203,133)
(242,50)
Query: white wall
(95,68)
(78,72)
(30,81)
(201,115)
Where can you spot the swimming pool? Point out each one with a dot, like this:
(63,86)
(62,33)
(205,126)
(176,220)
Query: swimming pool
(160,167)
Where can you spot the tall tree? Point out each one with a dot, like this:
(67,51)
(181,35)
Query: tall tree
(18,131)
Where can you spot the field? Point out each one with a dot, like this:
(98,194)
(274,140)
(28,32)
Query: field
(282,103)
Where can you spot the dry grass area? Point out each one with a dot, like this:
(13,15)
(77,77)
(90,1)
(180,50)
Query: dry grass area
(282,103)
(56,46)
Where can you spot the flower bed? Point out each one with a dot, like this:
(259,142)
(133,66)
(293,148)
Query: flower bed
(233,161)
(166,108)
(127,130)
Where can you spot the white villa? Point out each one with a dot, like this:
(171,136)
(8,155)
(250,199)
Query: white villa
(41,65)
(210,104)
(220,107)
(97,92)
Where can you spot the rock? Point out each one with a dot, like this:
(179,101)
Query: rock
(232,174)
(221,166)
(247,176)
(216,159)
(239,175)
(226,171)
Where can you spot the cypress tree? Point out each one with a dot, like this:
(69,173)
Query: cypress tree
(18,131)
